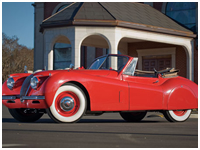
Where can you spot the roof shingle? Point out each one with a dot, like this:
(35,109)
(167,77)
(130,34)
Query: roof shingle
(134,15)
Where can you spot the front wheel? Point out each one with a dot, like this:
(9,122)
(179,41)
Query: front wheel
(69,104)
(133,116)
(177,115)
(25,115)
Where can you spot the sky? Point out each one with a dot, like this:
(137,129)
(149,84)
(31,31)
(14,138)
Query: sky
(18,20)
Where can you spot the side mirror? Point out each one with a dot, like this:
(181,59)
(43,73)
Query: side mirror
(71,66)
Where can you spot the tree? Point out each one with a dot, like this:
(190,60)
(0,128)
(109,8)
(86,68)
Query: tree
(14,56)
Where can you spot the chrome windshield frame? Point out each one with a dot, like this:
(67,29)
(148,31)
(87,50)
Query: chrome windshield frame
(116,55)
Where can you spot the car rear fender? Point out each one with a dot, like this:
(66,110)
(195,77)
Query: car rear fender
(183,94)
(182,97)
(180,93)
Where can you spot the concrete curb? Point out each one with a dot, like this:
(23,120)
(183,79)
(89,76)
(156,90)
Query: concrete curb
(194,116)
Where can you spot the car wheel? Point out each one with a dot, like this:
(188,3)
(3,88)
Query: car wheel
(133,116)
(69,104)
(25,115)
(177,115)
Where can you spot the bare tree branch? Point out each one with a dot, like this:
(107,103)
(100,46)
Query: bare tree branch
(15,56)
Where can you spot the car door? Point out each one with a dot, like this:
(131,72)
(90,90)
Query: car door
(145,93)
(108,94)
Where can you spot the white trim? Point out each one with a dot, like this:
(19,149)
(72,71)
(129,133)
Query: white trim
(158,51)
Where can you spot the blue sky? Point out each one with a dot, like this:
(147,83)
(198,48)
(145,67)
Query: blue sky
(18,19)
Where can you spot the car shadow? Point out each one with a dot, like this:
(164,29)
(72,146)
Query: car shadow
(46,120)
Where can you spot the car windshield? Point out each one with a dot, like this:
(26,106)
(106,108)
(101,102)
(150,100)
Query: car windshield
(110,62)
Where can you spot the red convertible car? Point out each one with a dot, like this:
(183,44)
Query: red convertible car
(111,84)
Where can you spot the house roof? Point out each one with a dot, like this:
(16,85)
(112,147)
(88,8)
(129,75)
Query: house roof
(122,14)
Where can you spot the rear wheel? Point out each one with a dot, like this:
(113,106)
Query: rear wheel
(69,104)
(25,115)
(133,116)
(177,115)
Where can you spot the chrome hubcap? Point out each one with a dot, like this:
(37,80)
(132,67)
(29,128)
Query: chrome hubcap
(67,104)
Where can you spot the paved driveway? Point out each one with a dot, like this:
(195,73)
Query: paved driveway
(105,131)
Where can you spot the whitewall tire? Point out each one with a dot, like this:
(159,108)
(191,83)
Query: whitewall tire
(69,104)
(177,115)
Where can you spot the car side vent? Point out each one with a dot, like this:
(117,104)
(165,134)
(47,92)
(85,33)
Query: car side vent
(35,102)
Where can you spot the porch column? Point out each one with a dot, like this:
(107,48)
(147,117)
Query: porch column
(48,57)
(76,54)
(114,40)
(113,50)
(50,60)
(190,68)
(48,50)
(189,49)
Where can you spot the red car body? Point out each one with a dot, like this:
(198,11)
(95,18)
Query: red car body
(105,90)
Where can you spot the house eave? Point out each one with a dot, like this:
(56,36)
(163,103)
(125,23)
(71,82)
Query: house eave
(116,23)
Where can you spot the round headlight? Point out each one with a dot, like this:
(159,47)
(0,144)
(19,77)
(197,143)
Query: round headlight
(10,83)
(34,82)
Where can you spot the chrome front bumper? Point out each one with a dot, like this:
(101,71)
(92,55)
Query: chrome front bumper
(9,97)
(33,97)
(17,101)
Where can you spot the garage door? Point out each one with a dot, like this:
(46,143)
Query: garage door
(157,62)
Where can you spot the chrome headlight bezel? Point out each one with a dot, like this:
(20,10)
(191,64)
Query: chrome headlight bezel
(10,83)
(34,83)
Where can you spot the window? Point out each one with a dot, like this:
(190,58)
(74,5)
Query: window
(62,7)
(131,67)
(184,13)
(61,56)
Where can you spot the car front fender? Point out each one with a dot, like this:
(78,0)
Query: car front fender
(57,80)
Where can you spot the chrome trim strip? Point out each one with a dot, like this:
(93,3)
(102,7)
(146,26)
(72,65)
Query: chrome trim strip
(9,97)
(33,97)
(27,90)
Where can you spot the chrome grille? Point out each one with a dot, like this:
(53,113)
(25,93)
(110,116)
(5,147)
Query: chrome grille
(25,86)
